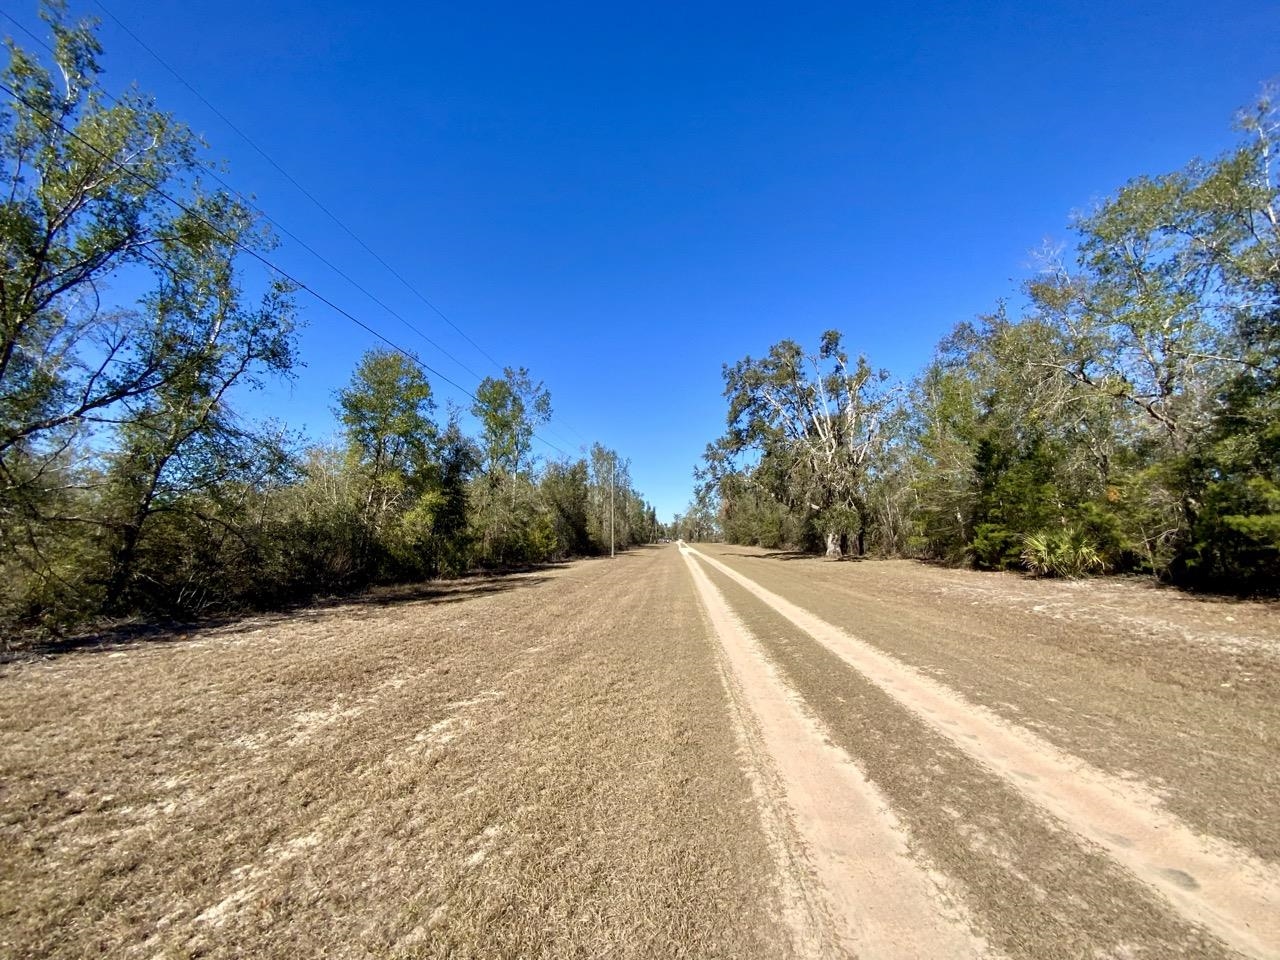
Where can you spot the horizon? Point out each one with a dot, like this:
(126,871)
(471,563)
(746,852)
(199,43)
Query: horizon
(623,206)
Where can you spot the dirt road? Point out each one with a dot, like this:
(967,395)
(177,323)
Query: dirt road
(718,753)
(1052,854)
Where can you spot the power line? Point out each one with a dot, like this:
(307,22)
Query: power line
(232,241)
(318,204)
(212,174)
(288,176)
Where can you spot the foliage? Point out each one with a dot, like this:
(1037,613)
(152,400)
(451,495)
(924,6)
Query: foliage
(815,426)
(510,410)
(509,527)
(700,521)
(1066,552)
(1126,420)
(129,484)
(118,448)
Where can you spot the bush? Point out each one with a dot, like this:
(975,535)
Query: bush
(994,547)
(1061,553)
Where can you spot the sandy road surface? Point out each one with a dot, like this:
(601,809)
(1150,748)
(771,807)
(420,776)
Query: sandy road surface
(1096,863)
(660,756)
(863,894)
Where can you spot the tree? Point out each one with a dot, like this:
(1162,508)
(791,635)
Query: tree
(942,437)
(458,458)
(1233,221)
(80,207)
(1171,317)
(609,473)
(111,413)
(386,414)
(510,410)
(818,422)
(699,521)
(182,437)
(129,485)
(566,490)
(412,476)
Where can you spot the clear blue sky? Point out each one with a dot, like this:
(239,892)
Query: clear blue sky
(622,197)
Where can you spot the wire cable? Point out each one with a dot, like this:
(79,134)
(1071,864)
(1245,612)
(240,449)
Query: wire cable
(213,175)
(288,176)
(243,248)
(316,201)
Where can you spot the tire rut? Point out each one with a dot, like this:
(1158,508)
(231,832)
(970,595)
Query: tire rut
(871,898)
(1206,881)
(1198,722)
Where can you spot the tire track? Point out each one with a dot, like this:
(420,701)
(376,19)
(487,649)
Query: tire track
(1035,889)
(1208,881)
(879,903)
(1197,721)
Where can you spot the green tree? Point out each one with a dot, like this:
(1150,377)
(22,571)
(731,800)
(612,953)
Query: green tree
(79,207)
(182,437)
(1170,317)
(1233,221)
(385,412)
(410,476)
(511,527)
(510,410)
(610,478)
(819,421)
(566,491)
(108,413)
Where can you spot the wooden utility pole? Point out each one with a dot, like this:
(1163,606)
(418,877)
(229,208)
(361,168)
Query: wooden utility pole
(613,468)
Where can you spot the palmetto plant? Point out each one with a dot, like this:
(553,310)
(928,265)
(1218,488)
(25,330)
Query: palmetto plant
(1061,553)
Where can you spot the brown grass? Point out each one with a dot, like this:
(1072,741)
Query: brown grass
(524,766)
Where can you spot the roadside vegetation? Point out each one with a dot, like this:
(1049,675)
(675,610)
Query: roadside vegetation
(130,485)
(1125,418)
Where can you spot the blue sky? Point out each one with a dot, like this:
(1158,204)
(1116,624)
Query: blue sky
(624,197)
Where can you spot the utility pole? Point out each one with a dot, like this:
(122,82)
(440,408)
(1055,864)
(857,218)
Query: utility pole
(613,468)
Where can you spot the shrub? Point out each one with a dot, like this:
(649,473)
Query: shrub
(993,547)
(1061,553)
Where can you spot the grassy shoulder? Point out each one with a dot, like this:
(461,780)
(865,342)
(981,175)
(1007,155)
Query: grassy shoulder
(541,770)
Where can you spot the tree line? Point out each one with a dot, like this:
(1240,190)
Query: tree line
(1126,417)
(130,485)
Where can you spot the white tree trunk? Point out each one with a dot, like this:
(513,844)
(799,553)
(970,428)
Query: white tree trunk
(833,545)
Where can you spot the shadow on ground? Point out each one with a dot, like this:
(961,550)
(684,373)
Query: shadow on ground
(789,555)
(433,592)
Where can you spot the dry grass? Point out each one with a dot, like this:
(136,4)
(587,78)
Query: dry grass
(534,766)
